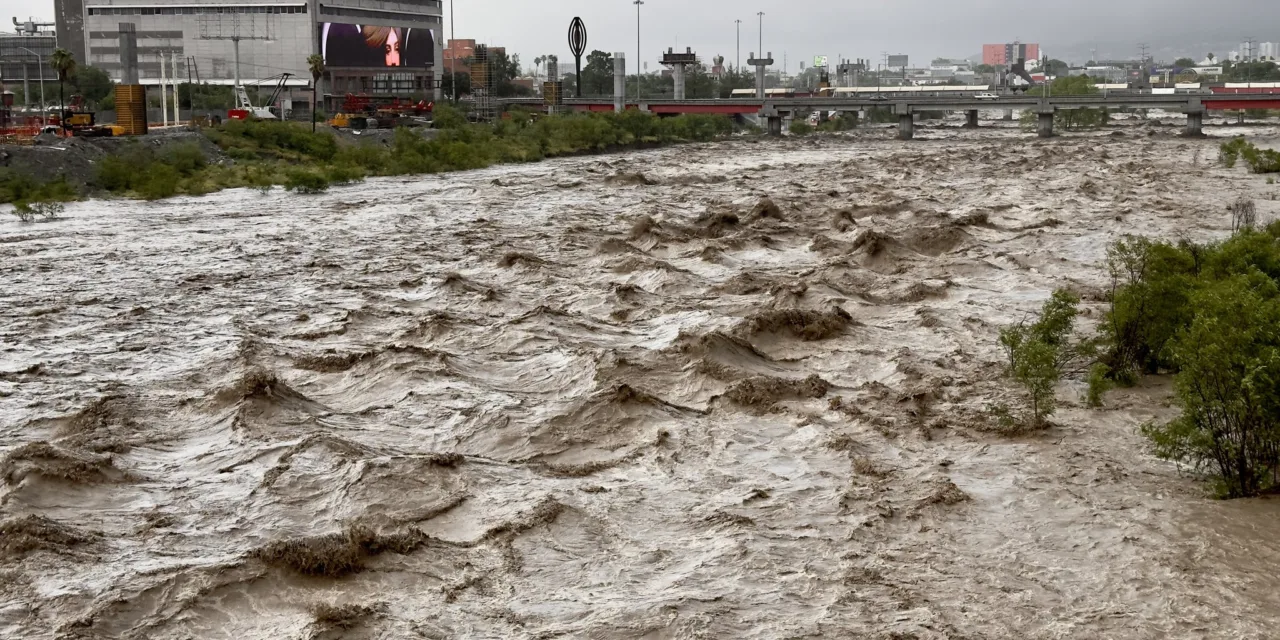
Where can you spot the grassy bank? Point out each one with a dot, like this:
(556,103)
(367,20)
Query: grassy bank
(262,154)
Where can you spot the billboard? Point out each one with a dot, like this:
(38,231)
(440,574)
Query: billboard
(819,61)
(897,62)
(354,45)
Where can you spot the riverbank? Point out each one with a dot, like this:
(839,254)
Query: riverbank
(263,154)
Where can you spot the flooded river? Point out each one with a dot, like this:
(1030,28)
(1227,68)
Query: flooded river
(734,390)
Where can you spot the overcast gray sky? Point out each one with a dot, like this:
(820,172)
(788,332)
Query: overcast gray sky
(803,28)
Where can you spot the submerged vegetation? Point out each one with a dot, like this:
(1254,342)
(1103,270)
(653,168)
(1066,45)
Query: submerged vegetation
(267,153)
(1209,315)
(1259,160)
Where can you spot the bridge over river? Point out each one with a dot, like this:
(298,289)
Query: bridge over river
(773,110)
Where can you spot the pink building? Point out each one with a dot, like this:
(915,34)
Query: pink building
(1004,54)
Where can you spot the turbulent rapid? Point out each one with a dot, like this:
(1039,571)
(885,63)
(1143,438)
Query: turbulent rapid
(732,390)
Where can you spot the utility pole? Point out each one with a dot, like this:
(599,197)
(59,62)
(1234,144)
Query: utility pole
(638,3)
(737,61)
(1145,80)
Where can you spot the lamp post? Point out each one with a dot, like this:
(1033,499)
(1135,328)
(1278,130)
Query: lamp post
(637,3)
(41,70)
(453,58)
(737,61)
(761,15)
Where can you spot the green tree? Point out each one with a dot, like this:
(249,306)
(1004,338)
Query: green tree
(315,64)
(1068,119)
(65,65)
(456,84)
(1058,68)
(93,84)
(1229,387)
(1183,63)
(1039,351)
(597,74)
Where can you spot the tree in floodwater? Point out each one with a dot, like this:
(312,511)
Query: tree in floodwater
(1069,119)
(1229,386)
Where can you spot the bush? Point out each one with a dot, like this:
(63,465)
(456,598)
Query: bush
(244,139)
(158,181)
(444,116)
(1099,384)
(1039,351)
(1151,285)
(1229,387)
(19,187)
(1259,160)
(305,181)
(31,211)
(800,127)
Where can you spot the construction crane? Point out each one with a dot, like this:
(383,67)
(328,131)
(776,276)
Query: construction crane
(245,108)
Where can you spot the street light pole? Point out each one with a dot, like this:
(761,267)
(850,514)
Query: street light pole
(761,50)
(453,58)
(638,3)
(737,61)
(41,70)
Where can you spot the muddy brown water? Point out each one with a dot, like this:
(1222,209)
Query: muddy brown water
(506,404)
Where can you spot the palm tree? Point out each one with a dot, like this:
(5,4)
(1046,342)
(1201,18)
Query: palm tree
(315,62)
(537,65)
(65,65)
(1211,58)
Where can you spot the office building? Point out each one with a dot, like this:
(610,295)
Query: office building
(1006,54)
(24,62)
(373,47)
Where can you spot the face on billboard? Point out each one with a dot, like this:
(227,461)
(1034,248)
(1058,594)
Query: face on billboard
(354,45)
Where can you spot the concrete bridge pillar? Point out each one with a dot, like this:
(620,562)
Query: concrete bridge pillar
(971,119)
(906,126)
(761,64)
(677,75)
(1008,115)
(775,125)
(1195,124)
(1044,124)
(619,81)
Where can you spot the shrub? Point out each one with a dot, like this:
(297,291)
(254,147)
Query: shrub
(1259,160)
(1229,387)
(1244,214)
(1099,384)
(305,181)
(273,138)
(1151,284)
(800,128)
(444,116)
(20,187)
(157,181)
(370,157)
(343,174)
(1038,352)
(32,211)
(186,158)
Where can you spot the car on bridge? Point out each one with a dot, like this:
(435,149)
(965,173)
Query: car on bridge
(986,96)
